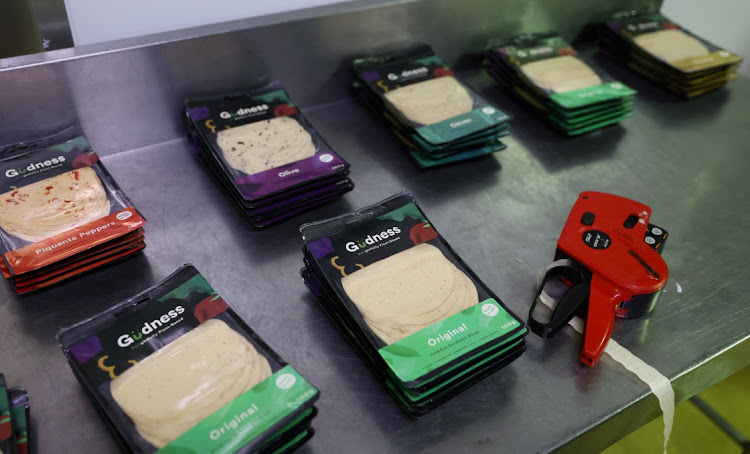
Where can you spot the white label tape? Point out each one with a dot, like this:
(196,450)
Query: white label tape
(658,383)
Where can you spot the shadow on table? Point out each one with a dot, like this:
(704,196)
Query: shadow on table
(45,311)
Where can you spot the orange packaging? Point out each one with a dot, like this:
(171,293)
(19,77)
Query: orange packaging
(57,201)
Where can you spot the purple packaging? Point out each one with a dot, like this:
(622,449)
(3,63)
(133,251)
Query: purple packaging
(291,154)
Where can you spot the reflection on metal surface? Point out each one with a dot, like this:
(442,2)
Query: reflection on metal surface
(494,211)
(492,214)
(136,81)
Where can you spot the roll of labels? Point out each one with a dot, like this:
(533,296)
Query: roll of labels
(607,265)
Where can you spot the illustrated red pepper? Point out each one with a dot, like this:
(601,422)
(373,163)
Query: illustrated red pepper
(284,110)
(442,71)
(85,160)
(421,233)
(209,308)
(566,51)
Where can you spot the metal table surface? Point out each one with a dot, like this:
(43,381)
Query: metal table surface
(503,214)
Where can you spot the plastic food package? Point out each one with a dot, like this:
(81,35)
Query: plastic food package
(61,212)
(421,320)
(174,368)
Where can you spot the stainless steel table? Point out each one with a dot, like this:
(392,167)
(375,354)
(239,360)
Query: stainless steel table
(688,160)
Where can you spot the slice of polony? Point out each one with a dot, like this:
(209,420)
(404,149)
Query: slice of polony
(408,291)
(463,292)
(464,296)
(53,205)
(431,101)
(671,45)
(162,432)
(263,145)
(177,356)
(53,220)
(561,74)
(417,278)
(181,384)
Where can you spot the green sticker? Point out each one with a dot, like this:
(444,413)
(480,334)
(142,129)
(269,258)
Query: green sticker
(462,125)
(249,415)
(590,95)
(448,340)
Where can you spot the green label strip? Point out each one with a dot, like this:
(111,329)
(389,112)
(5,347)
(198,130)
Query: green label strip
(447,340)
(6,430)
(249,415)
(590,95)
(462,125)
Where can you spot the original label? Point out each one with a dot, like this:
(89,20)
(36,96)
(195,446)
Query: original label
(247,416)
(447,340)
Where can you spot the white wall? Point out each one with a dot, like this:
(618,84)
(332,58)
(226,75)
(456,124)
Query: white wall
(721,22)
(96,21)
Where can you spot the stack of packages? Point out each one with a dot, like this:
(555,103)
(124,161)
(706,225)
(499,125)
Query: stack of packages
(264,152)
(666,53)
(14,419)
(437,117)
(423,322)
(174,369)
(546,73)
(61,212)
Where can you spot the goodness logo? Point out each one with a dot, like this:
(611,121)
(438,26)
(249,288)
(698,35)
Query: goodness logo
(354,246)
(10,173)
(149,327)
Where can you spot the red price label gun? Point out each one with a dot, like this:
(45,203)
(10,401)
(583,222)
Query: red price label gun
(617,271)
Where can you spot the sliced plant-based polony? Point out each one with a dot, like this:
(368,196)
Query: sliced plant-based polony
(561,74)
(267,144)
(184,382)
(671,45)
(409,291)
(431,101)
(53,205)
